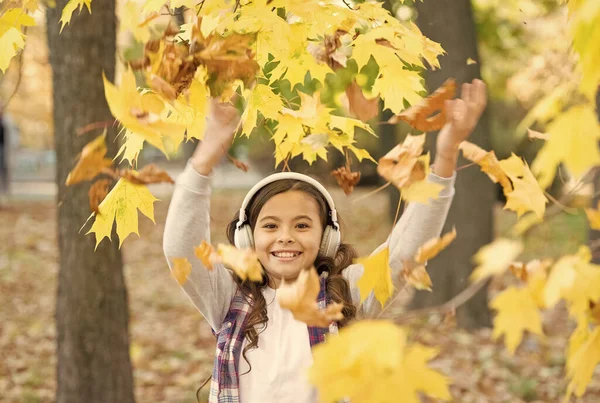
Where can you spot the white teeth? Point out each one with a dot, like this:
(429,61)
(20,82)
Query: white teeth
(285,254)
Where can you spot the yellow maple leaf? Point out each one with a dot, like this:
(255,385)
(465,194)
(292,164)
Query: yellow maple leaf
(300,297)
(143,114)
(417,276)
(584,16)
(181,269)
(419,189)
(370,361)
(12,38)
(243,262)
(516,313)
(526,194)
(70,8)
(573,140)
(191,109)
(262,99)
(131,19)
(120,206)
(206,253)
(377,277)
(495,258)
(582,360)
(562,276)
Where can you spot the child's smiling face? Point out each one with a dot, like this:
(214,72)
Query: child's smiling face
(287,235)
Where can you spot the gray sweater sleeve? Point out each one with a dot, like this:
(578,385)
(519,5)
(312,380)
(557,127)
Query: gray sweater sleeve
(419,223)
(187,225)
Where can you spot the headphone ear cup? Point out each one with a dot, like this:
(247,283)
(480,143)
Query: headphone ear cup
(330,242)
(243,237)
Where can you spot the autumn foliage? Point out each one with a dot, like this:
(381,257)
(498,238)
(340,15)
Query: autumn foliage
(310,74)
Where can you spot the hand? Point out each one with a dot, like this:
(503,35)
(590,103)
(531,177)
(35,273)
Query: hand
(221,123)
(462,117)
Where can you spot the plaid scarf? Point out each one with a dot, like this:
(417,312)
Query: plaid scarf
(224,386)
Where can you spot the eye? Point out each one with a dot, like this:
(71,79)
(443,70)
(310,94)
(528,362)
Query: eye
(269,226)
(303,225)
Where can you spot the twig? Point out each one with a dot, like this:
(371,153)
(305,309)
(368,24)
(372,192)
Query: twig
(448,306)
(237,4)
(379,189)
(95,125)
(20,76)
(389,303)
(398,208)
(568,210)
(348,5)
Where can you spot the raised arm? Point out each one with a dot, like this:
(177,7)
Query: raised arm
(421,222)
(188,219)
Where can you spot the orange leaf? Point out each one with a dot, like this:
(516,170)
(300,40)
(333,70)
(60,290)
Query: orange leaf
(300,297)
(243,262)
(417,277)
(147,175)
(488,162)
(418,116)
(431,248)
(359,106)
(206,253)
(91,162)
(181,269)
(98,192)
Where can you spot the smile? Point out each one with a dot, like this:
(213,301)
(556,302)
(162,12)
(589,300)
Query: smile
(286,256)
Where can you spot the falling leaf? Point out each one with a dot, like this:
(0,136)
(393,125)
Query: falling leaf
(206,253)
(532,134)
(147,175)
(120,206)
(70,8)
(495,258)
(434,246)
(371,361)
(470,61)
(488,163)
(419,116)
(243,262)
(181,269)
(91,161)
(526,194)
(300,297)
(346,179)
(398,164)
(377,277)
(417,276)
(516,313)
(582,362)
(98,192)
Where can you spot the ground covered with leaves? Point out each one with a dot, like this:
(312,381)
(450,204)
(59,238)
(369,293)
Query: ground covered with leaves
(172,347)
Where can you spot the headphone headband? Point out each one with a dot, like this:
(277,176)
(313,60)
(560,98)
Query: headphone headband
(287,175)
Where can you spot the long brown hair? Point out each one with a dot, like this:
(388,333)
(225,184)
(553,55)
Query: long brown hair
(337,286)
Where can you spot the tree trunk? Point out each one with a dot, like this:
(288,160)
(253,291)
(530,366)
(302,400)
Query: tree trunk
(450,22)
(93,364)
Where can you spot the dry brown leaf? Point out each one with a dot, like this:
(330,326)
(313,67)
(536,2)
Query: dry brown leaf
(359,106)
(181,269)
(206,253)
(434,246)
(91,162)
(242,262)
(147,175)
(595,310)
(419,116)
(397,166)
(488,163)
(98,192)
(300,297)
(346,179)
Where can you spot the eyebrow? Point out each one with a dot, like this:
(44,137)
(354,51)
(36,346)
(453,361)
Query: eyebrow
(272,217)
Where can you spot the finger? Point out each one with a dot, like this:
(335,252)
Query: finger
(465,92)
(459,111)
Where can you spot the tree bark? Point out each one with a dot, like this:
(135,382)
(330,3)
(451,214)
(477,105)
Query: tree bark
(594,235)
(93,364)
(450,22)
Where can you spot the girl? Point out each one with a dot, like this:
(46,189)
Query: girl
(263,353)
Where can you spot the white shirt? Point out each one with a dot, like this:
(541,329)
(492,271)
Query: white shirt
(280,363)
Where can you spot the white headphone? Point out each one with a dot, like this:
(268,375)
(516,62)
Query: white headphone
(330,243)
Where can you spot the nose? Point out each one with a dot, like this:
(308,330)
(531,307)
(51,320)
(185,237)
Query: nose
(285,238)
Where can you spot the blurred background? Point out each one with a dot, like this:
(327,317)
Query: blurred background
(520,49)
